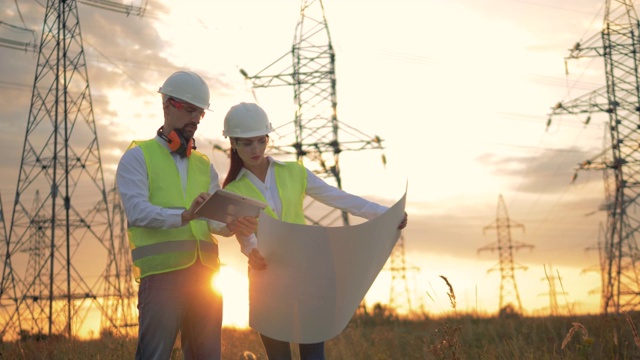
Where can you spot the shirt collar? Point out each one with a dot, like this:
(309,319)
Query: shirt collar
(165,144)
(162,142)
(244,171)
(275,161)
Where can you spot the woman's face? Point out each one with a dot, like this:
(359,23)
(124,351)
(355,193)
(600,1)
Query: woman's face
(251,150)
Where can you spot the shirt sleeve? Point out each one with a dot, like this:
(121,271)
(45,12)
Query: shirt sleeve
(133,185)
(247,243)
(332,196)
(218,228)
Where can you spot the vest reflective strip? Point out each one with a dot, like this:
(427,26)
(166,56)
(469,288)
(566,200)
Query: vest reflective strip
(173,246)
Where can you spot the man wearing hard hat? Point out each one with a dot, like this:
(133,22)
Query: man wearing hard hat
(161,182)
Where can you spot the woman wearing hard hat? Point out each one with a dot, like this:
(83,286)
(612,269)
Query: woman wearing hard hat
(283,186)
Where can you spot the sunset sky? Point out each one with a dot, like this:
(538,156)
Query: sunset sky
(459,90)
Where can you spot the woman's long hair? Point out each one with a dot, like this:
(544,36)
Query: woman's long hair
(234,168)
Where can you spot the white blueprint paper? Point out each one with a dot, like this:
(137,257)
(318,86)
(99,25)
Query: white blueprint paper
(317,276)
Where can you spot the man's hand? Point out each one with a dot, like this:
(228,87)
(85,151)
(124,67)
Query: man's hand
(256,261)
(190,213)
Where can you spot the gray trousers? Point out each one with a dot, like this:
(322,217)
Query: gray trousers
(179,301)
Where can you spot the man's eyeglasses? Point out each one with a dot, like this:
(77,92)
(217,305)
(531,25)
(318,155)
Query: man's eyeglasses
(192,111)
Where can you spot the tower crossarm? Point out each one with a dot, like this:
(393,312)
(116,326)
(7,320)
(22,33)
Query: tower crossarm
(118,7)
(263,79)
(595,101)
(592,47)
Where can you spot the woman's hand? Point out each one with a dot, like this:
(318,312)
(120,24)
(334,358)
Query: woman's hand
(256,261)
(243,226)
(403,223)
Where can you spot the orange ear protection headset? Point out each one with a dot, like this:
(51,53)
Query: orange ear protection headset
(177,142)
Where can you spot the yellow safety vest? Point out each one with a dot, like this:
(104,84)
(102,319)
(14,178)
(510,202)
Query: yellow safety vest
(157,251)
(291,180)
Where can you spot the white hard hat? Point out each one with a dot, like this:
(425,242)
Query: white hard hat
(246,120)
(187,86)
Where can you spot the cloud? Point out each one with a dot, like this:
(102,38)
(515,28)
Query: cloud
(126,62)
(549,171)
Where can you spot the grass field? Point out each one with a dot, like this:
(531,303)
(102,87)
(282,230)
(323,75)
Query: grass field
(382,335)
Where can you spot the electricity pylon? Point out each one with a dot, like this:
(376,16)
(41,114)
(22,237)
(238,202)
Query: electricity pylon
(506,265)
(317,133)
(60,255)
(4,241)
(119,305)
(617,43)
(602,264)
(400,295)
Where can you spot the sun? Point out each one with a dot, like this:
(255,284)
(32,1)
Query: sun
(234,288)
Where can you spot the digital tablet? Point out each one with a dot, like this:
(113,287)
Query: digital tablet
(225,206)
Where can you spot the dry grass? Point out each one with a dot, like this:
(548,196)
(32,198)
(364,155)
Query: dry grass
(378,333)
(576,327)
(634,331)
(382,335)
(451,294)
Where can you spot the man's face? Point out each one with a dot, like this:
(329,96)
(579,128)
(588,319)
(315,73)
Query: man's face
(183,116)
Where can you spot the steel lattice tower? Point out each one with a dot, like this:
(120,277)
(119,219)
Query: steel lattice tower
(506,265)
(618,45)
(602,264)
(122,303)
(317,134)
(400,295)
(61,262)
(315,125)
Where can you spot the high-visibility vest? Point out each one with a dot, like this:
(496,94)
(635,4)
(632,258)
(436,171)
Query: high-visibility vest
(291,180)
(157,251)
